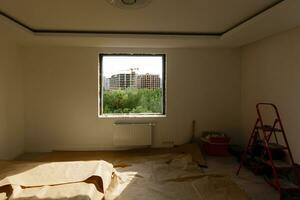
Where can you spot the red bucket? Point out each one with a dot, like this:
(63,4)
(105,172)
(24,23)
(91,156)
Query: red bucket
(216,146)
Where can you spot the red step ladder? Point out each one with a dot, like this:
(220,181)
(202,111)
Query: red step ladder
(261,135)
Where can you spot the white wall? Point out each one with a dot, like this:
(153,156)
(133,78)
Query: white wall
(271,73)
(11,100)
(61,96)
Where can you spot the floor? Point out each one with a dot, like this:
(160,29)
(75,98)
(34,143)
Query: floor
(254,186)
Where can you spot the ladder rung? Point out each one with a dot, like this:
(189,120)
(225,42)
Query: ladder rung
(278,164)
(268,128)
(273,145)
(276,146)
(284,184)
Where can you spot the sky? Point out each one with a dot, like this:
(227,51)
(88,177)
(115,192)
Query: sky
(122,64)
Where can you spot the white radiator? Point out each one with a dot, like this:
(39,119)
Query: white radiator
(133,134)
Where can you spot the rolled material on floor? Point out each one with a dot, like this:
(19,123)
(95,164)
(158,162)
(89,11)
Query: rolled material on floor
(58,180)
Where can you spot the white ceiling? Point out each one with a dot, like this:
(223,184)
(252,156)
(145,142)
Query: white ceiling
(204,16)
(194,16)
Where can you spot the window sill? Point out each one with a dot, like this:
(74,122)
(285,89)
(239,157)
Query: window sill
(130,116)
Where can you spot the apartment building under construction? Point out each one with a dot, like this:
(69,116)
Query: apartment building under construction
(132,80)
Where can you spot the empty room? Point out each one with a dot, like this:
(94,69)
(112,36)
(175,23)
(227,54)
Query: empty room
(150,99)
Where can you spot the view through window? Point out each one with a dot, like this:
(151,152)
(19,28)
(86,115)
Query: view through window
(132,84)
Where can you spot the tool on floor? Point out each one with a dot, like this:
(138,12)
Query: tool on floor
(268,157)
(193,138)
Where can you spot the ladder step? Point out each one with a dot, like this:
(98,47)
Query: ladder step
(285,184)
(273,146)
(278,164)
(268,128)
(276,146)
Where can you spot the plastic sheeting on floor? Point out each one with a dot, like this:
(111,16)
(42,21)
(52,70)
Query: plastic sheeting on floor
(169,177)
(160,177)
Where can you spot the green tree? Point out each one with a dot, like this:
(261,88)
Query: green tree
(132,101)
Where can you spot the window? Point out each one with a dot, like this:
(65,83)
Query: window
(131,84)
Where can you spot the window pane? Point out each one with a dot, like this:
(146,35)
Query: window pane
(132,84)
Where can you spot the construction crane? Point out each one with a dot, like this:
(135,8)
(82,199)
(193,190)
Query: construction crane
(130,69)
(133,69)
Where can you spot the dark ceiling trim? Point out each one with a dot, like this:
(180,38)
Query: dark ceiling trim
(163,33)
(253,16)
(16,21)
(172,33)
